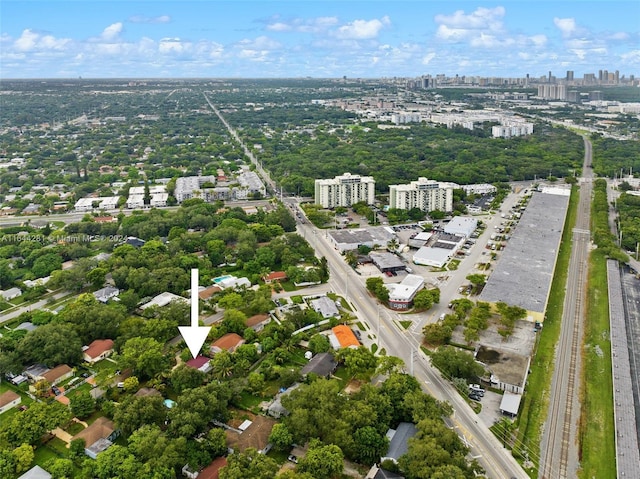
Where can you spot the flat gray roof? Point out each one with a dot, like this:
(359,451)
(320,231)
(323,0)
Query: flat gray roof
(386,260)
(351,236)
(525,270)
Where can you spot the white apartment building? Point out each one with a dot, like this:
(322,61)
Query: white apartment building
(345,190)
(425,194)
(191,187)
(508,130)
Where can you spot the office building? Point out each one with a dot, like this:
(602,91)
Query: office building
(345,190)
(427,195)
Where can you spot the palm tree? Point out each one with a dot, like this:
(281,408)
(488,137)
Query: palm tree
(392,245)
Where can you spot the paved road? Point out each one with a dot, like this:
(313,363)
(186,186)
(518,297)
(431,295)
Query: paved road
(42,304)
(76,216)
(559,456)
(400,342)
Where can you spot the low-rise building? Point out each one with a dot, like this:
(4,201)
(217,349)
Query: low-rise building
(98,437)
(98,350)
(10,293)
(322,365)
(164,299)
(401,294)
(342,337)
(105,294)
(325,306)
(58,374)
(9,399)
(228,342)
(201,363)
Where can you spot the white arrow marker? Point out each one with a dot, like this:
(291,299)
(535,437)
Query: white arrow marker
(194,335)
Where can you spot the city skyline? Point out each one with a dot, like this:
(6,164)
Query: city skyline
(269,39)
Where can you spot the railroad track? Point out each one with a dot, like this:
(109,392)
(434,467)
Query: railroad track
(559,454)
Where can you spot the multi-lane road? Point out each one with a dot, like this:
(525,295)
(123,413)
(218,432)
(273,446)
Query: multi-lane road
(399,342)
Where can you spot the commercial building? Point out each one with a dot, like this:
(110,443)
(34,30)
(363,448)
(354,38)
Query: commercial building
(461,226)
(345,190)
(508,130)
(425,194)
(523,275)
(401,294)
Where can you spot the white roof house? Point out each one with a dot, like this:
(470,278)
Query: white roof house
(510,403)
(325,306)
(10,293)
(163,299)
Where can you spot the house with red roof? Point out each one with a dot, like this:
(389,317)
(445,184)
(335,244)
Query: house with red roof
(201,363)
(98,350)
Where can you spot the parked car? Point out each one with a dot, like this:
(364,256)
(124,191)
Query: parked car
(292,458)
(475,397)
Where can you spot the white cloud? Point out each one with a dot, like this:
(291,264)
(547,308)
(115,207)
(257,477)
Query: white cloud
(362,29)
(538,40)
(311,25)
(145,19)
(480,19)
(33,41)
(427,58)
(27,41)
(111,32)
(173,45)
(567,26)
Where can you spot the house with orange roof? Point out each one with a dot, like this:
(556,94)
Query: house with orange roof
(342,337)
(98,350)
(228,342)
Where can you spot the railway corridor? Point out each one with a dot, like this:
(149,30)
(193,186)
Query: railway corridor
(559,446)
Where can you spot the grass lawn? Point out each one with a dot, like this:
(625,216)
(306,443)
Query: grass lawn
(406,324)
(44,454)
(250,402)
(535,402)
(597,430)
(296,299)
(74,428)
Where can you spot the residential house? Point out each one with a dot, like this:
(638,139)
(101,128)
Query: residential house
(36,472)
(253,434)
(228,342)
(398,441)
(201,363)
(342,337)
(135,242)
(105,294)
(206,293)
(147,392)
(58,374)
(258,321)
(376,472)
(275,276)
(325,306)
(98,437)
(163,299)
(9,399)
(10,293)
(212,471)
(98,350)
(322,365)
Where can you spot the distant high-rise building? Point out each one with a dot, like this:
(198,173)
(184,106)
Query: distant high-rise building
(600,76)
(345,190)
(616,77)
(595,95)
(549,81)
(569,75)
(573,96)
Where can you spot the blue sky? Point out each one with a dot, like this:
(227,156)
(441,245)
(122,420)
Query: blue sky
(143,39)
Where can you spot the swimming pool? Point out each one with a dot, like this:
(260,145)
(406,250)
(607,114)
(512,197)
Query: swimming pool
(220,279)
